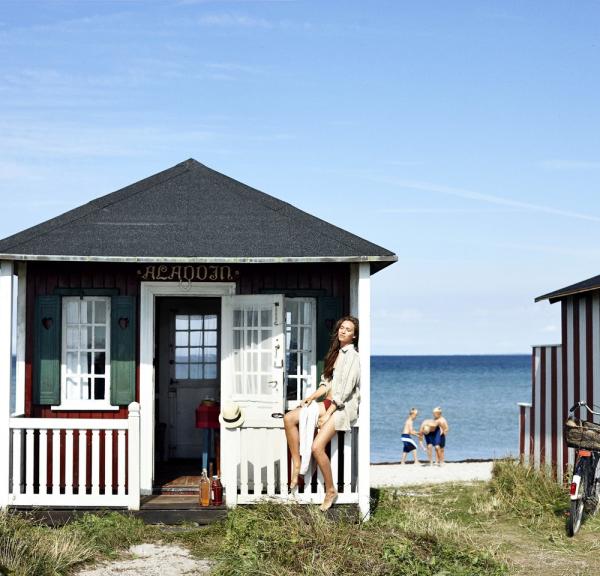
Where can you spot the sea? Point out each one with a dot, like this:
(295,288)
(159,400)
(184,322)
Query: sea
(478,396)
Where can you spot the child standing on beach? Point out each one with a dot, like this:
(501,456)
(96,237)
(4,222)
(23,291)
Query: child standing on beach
(440,437)
(407,431)
(428,431)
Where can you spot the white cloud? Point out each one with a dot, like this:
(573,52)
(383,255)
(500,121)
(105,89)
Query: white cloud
(480,197)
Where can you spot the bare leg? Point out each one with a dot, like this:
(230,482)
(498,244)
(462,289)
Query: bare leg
(416,457)
(430,454)
(326,433)
(403,458)
(290,423)
(440,455)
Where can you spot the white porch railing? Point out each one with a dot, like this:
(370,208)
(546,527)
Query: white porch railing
(256,467)
(58,461)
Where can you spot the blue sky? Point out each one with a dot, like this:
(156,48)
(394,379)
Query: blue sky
(463,136)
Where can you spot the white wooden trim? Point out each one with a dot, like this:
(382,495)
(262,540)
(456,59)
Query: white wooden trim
(75,500)
(68,423)
(6,306)
(148,292)
(133,438)
(21,339)
(364,424)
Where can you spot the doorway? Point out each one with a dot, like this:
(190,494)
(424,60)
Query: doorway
(188,355)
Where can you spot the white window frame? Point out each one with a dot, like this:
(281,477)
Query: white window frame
(312,379)
(82,404)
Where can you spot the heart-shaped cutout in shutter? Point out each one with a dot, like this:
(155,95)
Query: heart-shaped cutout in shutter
(123,323)
(47,322)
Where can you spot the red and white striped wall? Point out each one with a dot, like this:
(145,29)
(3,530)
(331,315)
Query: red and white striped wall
(561,376)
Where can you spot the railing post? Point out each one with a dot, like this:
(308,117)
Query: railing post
(6,306)
(133,451)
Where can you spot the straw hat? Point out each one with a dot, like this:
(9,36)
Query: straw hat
(231,415)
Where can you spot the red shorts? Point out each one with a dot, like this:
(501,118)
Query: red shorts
(327,403)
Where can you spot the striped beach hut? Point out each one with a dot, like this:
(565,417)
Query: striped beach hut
(141,311)
(563,374)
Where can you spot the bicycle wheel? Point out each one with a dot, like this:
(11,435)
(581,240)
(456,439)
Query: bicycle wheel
(577,507)
(592,503)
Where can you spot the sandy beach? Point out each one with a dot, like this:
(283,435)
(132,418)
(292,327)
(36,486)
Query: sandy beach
(406,475)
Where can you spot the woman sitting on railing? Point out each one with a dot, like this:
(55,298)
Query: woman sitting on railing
(339,387)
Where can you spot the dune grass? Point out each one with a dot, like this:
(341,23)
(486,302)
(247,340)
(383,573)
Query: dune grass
(513,524)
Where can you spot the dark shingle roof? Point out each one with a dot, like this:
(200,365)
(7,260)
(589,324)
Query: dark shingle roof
(583,286)
(190,213)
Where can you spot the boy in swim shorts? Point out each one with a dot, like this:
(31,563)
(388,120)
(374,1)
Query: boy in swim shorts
(409,444)
(428,431)
(440,437)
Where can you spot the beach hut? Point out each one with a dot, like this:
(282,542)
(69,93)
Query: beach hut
(563,374)
(141,311)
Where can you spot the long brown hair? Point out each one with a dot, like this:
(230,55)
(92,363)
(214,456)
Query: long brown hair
(334,346)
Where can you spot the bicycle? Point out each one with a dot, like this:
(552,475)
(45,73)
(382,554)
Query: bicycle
(585,483)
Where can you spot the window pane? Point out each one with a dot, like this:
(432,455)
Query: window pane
(195,322)
(210,354)
(210,371)
(237,318)
(195,354)
(72,337)
(264,336)
(293,363)
(294,310)
(85,360)
(306,317)
(251,317)
(86,388)
(237,362)
(210,338)
(237,339)
(305,359)
(99,389)
(181,355)
(195,338)
(86,336)
(100,337)
(89,312)
(265,317)
(72,389)
(210,322)
(72,312)
(99,362)
(72,361)
(181,371)
(100,312)
(181,322)
(294,339)
(196,371)
(305,339)
(181,338)
(265,386)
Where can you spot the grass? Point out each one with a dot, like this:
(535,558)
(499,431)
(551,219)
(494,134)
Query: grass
(514,524)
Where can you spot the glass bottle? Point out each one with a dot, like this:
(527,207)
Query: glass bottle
(204,491)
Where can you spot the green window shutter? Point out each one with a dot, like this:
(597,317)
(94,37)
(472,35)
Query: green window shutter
(48,322)
(122,350)
(329,311)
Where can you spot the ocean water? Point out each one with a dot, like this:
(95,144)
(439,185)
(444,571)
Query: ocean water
(478,395)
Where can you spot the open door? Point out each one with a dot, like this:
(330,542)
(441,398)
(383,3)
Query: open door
(254,357)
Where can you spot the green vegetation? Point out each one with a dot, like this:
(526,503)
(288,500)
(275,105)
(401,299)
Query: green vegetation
(514,524)
(28,548)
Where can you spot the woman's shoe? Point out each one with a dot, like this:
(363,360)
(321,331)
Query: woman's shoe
(328,501)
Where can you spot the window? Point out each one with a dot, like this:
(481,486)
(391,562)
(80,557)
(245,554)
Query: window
(300,321)
(85,352)
(196,352)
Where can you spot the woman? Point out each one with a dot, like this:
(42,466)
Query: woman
(339,387)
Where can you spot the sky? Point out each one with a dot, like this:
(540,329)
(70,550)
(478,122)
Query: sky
(463,136)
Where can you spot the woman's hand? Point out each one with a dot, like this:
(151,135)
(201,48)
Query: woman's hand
(306,402)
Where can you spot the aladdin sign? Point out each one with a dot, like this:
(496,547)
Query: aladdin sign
(189,273)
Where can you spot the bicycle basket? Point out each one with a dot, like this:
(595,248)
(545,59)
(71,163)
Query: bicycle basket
(579,434)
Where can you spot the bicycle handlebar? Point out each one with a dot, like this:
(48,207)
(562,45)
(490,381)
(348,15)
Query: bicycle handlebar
(584,404)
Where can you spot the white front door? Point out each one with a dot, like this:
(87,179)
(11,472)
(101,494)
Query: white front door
(254,353)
